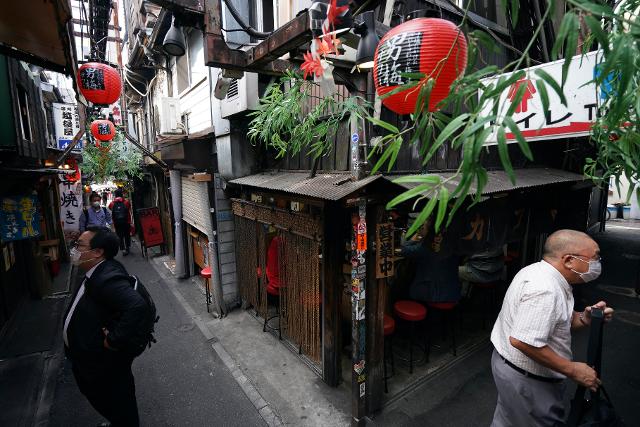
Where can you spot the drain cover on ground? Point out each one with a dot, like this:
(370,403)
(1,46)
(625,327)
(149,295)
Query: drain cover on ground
(186,327)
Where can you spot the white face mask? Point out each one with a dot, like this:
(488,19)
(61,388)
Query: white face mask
(75,254)
(95,204)
(595,269)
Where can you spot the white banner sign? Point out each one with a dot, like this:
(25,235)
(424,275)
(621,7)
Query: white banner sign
(67,123)
(558,121)
(70,204)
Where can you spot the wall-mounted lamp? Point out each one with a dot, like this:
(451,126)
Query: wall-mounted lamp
(174,43)
(369,40)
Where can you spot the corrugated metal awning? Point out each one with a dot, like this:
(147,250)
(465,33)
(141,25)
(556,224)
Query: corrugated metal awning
(499,182)
(332,186)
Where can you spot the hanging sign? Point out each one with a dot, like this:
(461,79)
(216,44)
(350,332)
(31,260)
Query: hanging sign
(70,202)
(19,218)
(67,124)
(151,226)
(384,251)
(559,121)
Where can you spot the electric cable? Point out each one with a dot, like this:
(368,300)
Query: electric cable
(246,27)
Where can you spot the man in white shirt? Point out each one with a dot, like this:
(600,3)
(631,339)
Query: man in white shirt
(532,335)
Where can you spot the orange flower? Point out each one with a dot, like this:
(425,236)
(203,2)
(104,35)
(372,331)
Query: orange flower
(334,13)
(311,65)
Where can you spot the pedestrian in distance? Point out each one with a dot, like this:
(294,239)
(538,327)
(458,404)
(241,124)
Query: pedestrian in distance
(96,215)
(121,214)
(532,335)
(100,326)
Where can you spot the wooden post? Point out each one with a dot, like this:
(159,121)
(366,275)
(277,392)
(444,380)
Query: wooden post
(375,318)
(359,243)
(333,251)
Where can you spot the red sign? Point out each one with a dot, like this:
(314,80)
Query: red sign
(151,226)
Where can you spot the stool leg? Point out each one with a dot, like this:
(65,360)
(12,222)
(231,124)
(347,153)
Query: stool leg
(384,365)
(393,368)
(279,320)
(451,316)
(413,329)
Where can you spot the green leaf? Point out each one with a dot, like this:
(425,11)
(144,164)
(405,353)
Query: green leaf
(544,95)
(443,197)
(571,45)
(486,40)
(394,155)
(553,83)
(447,132)
(595,26)
(383,124)
(515,11)
(524,145)
(503,151)
(409,194)
(563,31)
(426,211)
(425,179)
(515,102)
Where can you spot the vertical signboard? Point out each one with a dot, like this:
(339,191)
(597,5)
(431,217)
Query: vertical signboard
(19,218)
(67,124)
(70,201)
(151,226)
(384,251)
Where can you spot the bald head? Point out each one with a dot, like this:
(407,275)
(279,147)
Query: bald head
(570,251)
(565,242)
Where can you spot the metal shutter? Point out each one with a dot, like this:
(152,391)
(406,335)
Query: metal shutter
(195,205)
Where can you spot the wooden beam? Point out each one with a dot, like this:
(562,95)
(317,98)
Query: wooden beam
(284,39)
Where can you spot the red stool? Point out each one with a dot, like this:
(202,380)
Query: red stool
(412,312)
(489,289)
(448,310)
(206,275)
(389,329)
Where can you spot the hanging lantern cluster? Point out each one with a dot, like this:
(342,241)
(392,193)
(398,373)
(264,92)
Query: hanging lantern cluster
(99,83)
(103,130)
(419,46)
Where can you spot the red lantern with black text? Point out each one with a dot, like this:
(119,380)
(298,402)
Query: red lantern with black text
(419,46)
(99,83)
(103,130)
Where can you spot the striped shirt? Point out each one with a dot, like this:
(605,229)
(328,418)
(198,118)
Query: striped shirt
(537,310)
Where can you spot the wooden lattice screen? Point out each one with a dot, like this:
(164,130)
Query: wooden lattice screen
(299,251)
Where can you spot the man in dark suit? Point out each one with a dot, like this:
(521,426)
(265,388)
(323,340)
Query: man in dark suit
(100,325)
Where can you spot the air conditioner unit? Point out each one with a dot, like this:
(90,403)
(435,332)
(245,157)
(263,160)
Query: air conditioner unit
(242,95)
(170,116)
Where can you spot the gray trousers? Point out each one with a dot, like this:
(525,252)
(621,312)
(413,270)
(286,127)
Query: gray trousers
(523,401)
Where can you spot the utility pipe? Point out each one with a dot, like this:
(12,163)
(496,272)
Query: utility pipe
(176,201)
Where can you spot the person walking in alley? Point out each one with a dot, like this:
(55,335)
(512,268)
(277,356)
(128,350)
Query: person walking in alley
(121,214)
(532,335)
(96,215)
(99,325)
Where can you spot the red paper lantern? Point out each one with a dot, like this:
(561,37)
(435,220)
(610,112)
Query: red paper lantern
(99,83)
(103,130)
(419,46)
(72,163)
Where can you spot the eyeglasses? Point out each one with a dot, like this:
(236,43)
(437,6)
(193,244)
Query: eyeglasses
(595,258)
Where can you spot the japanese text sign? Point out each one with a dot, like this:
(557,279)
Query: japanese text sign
(559,121)
(67,123)
(384,250)
(70,203)
(151,226)
(19,218)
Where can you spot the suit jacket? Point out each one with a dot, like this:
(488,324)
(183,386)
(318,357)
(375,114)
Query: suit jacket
(108,302)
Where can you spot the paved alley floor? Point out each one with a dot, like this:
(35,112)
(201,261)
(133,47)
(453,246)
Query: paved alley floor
(180,381)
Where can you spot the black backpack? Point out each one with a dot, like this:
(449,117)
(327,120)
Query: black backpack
(120,213)
(144,334)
